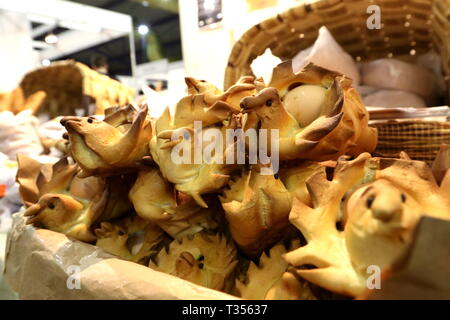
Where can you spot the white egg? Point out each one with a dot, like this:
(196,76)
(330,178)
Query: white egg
(305,103)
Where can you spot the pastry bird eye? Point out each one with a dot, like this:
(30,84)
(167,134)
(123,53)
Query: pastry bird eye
(269,103)
(403,197)
(370,201)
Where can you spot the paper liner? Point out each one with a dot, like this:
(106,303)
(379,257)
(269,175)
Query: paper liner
(38,267)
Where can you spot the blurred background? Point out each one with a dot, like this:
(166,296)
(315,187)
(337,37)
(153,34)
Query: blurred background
(137,40)
(83,56)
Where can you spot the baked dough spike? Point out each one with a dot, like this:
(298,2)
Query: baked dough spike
(245,86)
(117,116)
(441,163)
(62,174)
(36,179)
(377,202)
(195,108)
(206,260)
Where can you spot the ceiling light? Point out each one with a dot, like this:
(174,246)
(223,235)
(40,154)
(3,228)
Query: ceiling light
(51,38)
(145,3)
(143,29)
(209,5)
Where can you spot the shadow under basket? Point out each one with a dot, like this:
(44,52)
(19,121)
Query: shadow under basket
(408,28)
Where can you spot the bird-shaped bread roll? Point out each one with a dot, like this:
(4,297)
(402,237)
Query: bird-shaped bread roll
(59,200)
(155,200)
(100,148)
(175,151)
(317,113)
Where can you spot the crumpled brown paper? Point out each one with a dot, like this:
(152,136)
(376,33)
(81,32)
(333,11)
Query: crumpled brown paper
(40,264)
(424,271)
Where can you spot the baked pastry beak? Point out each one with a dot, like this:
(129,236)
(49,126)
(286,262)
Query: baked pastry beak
(112,146)
(52,210)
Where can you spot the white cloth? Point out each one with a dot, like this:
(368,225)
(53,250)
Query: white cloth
(327,53)
(398,75)
(19,134)
(394,99)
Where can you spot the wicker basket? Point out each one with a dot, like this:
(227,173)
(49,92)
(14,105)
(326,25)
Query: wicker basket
(71,85)
(409,28)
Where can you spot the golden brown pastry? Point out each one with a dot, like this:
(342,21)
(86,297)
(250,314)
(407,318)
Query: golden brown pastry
(59,200)
(294,178)
(246,86)
(270,280)
(365,216)
(100,148)
(206,260)
(257,206)
(121,117)
(36,179)
(64,214)
(155,200)
(132,239)
(441,165)
(176,158)
(335,121)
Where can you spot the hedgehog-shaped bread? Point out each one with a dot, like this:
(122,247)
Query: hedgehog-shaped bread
(132,238)
(365,216)
(206,260)
(257,206)
(271,280)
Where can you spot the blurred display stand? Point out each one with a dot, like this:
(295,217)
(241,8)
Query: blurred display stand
(86,27)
